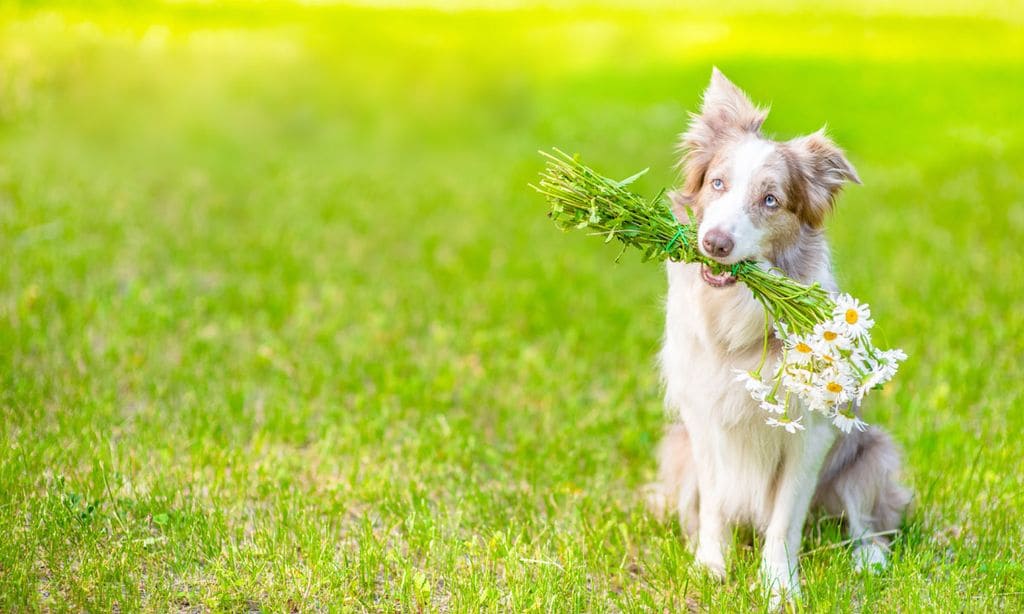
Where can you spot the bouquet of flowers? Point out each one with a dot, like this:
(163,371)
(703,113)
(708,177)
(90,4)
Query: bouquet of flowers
(828,360)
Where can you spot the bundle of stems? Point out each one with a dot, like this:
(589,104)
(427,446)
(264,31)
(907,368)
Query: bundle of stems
(581,198)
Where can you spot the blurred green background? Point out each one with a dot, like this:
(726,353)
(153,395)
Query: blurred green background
(283,328)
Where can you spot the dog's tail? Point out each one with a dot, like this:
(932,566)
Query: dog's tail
(861,482)
(676,488)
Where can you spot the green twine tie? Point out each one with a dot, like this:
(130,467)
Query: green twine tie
(679,233)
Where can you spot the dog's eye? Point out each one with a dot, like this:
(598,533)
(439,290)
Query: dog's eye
(770,201)
(717,184)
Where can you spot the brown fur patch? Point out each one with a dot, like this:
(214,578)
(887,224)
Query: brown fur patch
(821,169)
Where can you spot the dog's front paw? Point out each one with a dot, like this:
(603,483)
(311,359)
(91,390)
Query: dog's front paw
(779,598)
(871,557)
(782,583)
(711,560)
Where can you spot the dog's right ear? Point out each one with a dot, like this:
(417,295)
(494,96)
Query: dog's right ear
(725,112)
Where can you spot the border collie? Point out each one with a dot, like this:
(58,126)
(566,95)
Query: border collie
(720,465)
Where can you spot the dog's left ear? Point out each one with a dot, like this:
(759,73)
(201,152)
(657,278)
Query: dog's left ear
(821,169)
(725,113)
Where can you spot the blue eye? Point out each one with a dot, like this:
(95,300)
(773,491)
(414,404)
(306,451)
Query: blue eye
(718,184)
(770,201)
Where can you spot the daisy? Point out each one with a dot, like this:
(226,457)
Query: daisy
(889,363)
(835,386)
(858,357)
(757,388)
(798,381)
(816,402)
(892,359)
(881,372)
(791,426)
(830,337)
(799,351)
(828,360)
(852,315)
(845,421)
(773,406)
(895,354)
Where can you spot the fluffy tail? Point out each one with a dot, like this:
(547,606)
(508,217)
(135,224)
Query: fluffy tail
(861,482)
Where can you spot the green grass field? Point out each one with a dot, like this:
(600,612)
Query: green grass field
(283,328)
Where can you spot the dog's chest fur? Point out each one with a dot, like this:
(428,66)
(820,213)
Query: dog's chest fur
(711,332)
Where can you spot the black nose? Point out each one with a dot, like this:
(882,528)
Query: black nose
(718,243)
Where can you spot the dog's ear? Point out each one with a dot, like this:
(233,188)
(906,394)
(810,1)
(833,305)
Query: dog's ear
(725,108)
(725,112)
(821,169)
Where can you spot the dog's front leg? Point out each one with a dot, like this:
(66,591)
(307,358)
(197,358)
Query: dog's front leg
(779,568)
(711,540)
(712,544)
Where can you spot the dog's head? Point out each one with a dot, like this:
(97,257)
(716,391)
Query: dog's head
(754,197)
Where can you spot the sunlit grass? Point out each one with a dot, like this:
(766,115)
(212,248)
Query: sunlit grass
(283,326)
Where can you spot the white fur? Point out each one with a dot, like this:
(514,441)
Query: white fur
(731,468)
(747,472)
(729,211)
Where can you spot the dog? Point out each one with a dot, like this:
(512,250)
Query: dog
(720,464)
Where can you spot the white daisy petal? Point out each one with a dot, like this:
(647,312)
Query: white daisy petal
(791,426)
(846,421)
(757,388)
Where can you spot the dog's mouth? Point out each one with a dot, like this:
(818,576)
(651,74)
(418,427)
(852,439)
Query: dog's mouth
(721,280)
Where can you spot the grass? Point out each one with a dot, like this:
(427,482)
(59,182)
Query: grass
(283,328)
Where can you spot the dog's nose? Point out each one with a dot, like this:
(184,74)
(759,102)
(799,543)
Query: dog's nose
(718,243)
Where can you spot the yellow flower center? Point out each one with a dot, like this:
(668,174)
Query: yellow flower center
(831,336)
(834,388)
(852,316)
(803,348)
